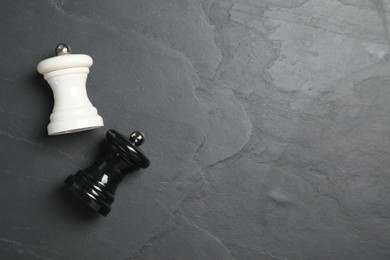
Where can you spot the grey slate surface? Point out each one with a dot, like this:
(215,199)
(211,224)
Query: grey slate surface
(267,125)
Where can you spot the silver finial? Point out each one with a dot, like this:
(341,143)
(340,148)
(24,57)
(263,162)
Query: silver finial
(63,49)
(137,138)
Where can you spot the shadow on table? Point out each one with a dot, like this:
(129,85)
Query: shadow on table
(74,206)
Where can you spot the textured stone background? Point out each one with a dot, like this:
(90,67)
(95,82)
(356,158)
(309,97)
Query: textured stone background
(267,123)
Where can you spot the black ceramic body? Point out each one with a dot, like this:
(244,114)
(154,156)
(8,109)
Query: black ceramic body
(97,184)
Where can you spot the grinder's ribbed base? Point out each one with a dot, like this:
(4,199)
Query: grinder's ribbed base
(91,193)
(75,124)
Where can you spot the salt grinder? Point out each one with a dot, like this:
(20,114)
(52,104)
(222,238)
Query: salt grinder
(96,185)
(67,75)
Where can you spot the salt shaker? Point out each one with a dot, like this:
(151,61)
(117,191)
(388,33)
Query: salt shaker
(67,74)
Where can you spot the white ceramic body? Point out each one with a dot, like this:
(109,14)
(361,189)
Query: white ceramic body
(72,111)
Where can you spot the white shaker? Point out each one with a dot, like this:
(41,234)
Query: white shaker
(67,75)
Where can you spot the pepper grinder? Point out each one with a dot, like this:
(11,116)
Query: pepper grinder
(67,75)
(96,185)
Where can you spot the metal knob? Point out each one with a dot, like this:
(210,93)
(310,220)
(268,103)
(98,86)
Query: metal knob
(137,138)
(63,49)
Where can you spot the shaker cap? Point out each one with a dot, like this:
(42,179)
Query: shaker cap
(64,60)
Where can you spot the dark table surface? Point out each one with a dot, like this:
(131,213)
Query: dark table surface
(267,124)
